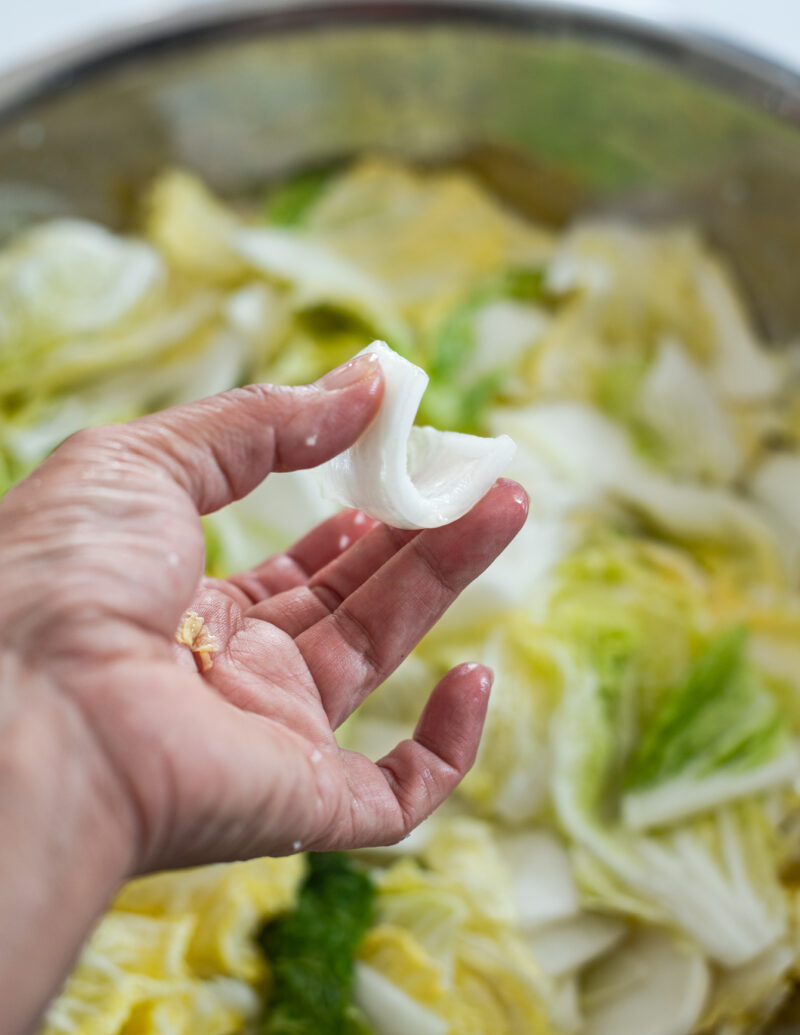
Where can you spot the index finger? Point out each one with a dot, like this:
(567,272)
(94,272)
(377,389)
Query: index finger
(355,648)
(220,448)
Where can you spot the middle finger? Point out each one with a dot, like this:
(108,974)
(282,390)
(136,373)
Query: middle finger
(302,606)
(355,648)
(315,550)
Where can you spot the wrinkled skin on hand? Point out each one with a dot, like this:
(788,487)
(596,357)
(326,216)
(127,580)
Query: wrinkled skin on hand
(102,552)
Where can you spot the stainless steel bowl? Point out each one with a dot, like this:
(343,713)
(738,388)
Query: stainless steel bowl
(560,111)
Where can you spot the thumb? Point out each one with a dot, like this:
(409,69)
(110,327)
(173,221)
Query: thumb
(221,448)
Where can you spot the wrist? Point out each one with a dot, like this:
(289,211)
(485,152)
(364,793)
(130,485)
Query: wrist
(67,836)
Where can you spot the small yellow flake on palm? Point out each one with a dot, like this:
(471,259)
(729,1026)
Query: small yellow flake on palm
(193,633)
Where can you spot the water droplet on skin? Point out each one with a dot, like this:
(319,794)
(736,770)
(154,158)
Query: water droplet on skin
(311,440)
(344,542)
(316,756)
(359,518)
(296,846)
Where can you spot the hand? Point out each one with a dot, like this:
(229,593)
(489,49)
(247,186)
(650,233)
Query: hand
(102,553)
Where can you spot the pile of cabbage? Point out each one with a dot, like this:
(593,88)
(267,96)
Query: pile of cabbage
(622,860)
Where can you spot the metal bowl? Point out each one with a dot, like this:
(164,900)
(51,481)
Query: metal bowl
(559,111)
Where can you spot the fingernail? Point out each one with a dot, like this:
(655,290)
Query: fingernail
(349,373)
(518,494)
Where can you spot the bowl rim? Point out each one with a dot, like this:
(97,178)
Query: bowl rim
(755,79)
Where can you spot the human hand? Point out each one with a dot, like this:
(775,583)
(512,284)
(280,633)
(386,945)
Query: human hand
(117,755)
(102,549)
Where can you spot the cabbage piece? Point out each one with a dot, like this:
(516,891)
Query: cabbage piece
(216,1007)
(565,1006)
(717,737)
(192,229)
(465,851)
(69,278)
(495,985)
(407,476)
(499,973)
(133,975)
(587,450)
(394,952)
(426,907)
(445,935)
(391,1011)
(776,485)
(634,618)
(542,885)
(632,284)
(677,401)
(652,985)
(520,878)
(554,528)
(564,947)
(80,302)
(745,998)
(774,649)
(97,328)
(686,795)
(741,368)
(227,904)
(474,351)
(318,277)
(214,362)
(428,237)
(639,285)
(504,330)
(715,877)
(204,239)
(628,608)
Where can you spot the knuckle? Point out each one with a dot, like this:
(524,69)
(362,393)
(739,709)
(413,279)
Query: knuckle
(412,793)
(361,640)
(327,595)
(87,440)
(433,566)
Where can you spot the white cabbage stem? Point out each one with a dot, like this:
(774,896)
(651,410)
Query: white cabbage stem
(408,476)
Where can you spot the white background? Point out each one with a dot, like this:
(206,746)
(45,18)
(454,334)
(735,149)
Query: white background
(30,28)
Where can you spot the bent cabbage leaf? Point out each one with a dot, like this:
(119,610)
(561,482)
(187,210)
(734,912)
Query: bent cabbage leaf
(408,476)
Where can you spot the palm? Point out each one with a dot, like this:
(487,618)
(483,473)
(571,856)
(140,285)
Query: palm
(301,641)
(242,759)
